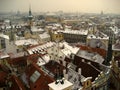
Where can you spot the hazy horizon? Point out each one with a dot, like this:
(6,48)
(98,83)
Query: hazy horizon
(87,6)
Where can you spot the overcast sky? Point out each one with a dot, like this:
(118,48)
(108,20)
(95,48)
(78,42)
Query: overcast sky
(94,6)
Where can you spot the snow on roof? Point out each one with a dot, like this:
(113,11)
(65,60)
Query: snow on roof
(35,29)
(79,32)
(91,36)
(98,58)
(4,36)
(26,42)
(116,47)
(88,78)
(7,21)
(46,58)
(60,86)
(74,50)
(115,29)
(3,55)
(44,35)
(15,55)
(68,50)
(91,56)
(40,62)
(40,48)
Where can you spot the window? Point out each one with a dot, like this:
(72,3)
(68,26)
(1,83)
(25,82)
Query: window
(35,76)
(3,43)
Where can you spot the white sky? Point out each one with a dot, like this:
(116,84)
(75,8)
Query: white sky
(108,6)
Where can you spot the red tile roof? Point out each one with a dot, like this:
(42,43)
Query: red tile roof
(34,57)
(52,66)
(42,82)
(16,84)
(19,60)
(3,77)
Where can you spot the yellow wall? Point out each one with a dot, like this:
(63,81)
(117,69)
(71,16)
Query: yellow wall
(56,37)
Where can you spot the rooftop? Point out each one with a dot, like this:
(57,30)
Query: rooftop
(78,32)
(44,35)
(3,55)
(40,48)
(69,49)
(26,42)
(35,29)
(39,83)
(60,86)
(100,51)
(4,36)
(91,36)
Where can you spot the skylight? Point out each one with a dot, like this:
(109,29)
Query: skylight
(35,76)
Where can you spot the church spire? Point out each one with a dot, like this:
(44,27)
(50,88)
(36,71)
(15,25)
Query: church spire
(30,17)
(30,13)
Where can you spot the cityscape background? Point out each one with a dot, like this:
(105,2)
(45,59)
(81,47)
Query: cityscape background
(85,6)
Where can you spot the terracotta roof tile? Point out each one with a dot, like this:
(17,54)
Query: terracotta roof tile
(52,65)
(3,77)
(16,84)
(18,60)
(42,82)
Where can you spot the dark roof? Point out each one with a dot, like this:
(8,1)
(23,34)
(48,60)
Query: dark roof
(18,60)
(42,82)
(33,57)
(53,65)
(88,70)
(3,76)
(16,84)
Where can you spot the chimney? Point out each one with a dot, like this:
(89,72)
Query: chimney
(117,63)
(64,63)
(79,71)
(59,76)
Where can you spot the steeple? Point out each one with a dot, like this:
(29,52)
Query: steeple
(30,13)
(30,17)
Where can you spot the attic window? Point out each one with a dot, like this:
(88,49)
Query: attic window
(34,77)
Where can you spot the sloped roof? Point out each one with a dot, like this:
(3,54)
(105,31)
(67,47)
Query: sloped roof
(4,36)
(88,70)
(3,76)
(16,84)
(52,65)
(42,82)
(18,60)
(100,51)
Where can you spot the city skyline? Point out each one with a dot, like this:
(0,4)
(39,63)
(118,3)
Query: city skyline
(92,6)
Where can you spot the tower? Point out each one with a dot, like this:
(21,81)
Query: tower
(109,51)
(11,36)
(30,17)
